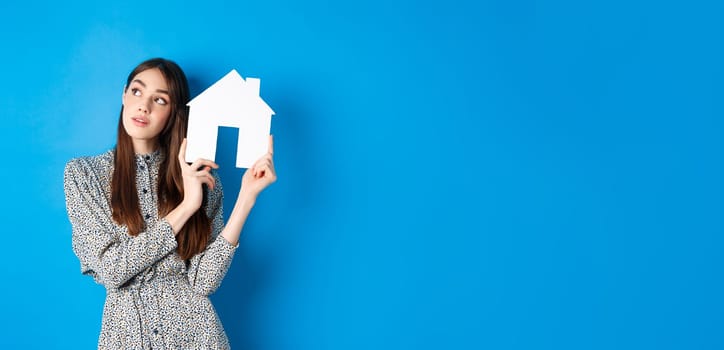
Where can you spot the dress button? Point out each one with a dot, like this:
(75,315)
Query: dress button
(143,167)
(148,216)
(148,157)
(155,331)
(145,190)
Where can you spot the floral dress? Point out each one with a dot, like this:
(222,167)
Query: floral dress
(154,299)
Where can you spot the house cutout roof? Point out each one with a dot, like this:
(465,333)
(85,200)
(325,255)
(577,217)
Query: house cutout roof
(230,102)
(233,87)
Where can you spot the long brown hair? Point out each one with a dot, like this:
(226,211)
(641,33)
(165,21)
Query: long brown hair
(194,235)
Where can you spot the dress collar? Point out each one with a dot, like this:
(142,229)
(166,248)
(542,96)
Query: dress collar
(154,157)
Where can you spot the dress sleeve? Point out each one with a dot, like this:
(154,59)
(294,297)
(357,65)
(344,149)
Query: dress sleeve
(111,261)
(208,268)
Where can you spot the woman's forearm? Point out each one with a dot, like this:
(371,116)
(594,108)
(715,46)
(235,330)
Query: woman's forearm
(178,217)
(232,230)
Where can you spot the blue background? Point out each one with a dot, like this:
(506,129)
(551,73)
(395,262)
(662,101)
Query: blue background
(460,175)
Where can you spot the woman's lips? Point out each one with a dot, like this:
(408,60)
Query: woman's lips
(140,121)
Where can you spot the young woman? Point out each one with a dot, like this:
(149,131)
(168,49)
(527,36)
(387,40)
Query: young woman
(149,227)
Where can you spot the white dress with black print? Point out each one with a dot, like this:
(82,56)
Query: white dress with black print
(154,300)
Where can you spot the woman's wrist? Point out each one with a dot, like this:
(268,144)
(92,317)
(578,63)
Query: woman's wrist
(246,199)
(189,208)
(178,216)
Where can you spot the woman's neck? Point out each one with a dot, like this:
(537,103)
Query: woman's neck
(144,146)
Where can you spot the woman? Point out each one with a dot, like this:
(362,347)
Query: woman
(149,227)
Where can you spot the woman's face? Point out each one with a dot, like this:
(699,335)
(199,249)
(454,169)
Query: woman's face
(146,108)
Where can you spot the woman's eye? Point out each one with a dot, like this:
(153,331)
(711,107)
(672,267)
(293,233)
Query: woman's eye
(161,101)
(136,92)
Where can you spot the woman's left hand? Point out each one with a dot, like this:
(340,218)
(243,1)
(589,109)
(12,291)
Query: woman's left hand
(260,175)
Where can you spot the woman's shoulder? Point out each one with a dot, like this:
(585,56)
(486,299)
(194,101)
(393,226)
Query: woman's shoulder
(97,164)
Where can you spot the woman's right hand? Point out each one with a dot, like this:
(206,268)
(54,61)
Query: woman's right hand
(194,176)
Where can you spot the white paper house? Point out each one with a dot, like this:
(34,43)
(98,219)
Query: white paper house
(231,102)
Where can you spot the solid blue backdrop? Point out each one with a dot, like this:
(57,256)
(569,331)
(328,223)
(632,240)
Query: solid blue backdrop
(452,175)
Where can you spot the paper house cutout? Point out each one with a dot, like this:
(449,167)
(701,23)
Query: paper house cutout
(232,102)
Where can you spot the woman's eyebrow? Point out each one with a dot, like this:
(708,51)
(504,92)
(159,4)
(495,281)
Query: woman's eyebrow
(144,85)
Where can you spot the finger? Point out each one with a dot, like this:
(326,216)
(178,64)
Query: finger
(182,151)
(259,166)
(265,170)
(269,171)
(271,144)
(255,166)
(198,163)
(212,182)
(209,181)
(204,174)
(261,171)
(259,162)
(208,163)
(268,175)
(258,170)
(266,159)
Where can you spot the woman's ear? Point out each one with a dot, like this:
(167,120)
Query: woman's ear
(123,95)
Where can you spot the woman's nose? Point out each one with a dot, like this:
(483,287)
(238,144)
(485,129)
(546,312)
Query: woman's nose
(143,106)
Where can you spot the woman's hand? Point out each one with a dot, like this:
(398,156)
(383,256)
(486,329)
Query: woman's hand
(194,176)
(259,176)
